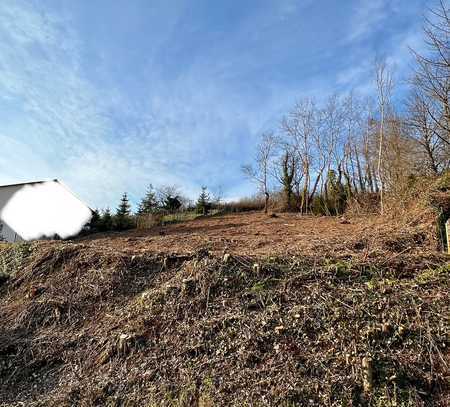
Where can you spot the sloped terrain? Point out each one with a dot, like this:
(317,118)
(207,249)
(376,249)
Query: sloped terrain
(255,234)
(207,314)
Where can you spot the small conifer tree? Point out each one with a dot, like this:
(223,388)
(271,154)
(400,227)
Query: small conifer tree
(203,202)
(94,223)
(149,203)
(106,222)
(123,219)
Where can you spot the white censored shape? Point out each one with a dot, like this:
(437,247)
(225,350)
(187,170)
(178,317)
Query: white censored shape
(45,210)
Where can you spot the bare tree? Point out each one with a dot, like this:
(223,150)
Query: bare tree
(423,130)
(399,155)
(433,71)
(259,173)
(384,86)
(301,127)
(355,130)
(367,141)
(217,195)
(350,146)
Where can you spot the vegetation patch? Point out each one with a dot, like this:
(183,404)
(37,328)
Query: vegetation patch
(12,258)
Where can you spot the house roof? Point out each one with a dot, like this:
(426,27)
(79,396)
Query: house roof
(22,184)
(26,183)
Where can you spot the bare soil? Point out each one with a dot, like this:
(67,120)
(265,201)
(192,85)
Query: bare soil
(257,234)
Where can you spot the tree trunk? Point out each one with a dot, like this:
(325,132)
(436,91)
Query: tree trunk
(380,149)
(358,168)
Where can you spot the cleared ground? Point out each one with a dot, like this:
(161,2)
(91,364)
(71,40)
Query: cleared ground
(256,234)
(304,311)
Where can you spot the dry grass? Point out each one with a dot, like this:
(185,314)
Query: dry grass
(284,235)
(303,311)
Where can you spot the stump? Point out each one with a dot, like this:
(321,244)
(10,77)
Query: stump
(367,367)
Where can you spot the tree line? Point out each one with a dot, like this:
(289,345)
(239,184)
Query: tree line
(345,148)
(349,146)
(156,202)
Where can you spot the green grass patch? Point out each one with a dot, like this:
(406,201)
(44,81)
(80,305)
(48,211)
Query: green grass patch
(434,275)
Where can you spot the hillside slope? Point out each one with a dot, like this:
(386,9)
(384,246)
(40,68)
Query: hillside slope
(297,313)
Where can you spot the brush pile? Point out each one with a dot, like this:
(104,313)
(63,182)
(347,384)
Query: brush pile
(85,326)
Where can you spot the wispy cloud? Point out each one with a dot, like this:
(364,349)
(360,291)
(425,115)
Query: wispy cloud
(56,115)
(183,133)
(110,99)
(367,16)
(62,126)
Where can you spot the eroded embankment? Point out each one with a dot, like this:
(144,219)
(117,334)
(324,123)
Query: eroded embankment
(84,327)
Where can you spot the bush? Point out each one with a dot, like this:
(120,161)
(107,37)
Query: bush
(149,220)
(243,205)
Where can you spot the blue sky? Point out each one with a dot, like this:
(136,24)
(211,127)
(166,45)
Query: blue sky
(110,96)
